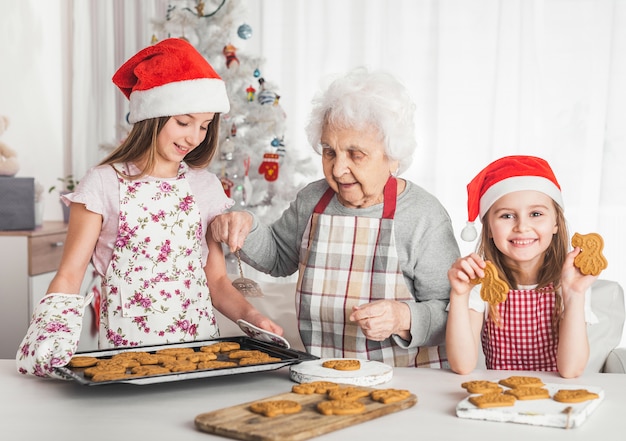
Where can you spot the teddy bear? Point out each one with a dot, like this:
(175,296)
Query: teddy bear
(9,165)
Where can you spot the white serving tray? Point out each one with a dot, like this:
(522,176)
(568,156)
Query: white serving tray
(544,412)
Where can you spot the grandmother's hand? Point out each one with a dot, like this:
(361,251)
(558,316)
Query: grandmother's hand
(380,319)
(232,228)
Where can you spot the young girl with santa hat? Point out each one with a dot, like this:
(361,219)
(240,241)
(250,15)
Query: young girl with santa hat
(141,217)
(541,324)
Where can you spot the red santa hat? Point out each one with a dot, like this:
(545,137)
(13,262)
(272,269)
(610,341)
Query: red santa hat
(503,176)
(170,78)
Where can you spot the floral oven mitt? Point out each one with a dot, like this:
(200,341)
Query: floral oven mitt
(53,334)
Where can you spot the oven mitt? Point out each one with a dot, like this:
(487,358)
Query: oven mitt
(53,334)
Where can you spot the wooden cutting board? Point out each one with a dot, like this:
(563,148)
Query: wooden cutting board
(239,422)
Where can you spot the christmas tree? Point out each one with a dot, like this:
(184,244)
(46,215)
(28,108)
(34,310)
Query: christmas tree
(257,168)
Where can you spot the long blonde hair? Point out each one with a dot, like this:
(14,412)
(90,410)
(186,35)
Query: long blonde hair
(141,146)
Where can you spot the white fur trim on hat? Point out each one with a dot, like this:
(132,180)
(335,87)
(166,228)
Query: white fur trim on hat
(518,183)
(201,95)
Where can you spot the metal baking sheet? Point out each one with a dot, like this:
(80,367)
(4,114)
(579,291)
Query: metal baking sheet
(287,357)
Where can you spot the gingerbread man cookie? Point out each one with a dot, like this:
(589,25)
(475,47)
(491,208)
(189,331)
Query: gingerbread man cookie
(590,260)
(493,289)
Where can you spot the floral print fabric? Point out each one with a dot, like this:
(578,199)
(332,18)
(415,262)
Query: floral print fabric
(155,290)
(53,334)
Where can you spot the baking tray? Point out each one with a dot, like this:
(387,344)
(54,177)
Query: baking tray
(287,357)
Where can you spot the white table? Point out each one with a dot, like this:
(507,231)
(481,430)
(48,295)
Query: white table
(37,409)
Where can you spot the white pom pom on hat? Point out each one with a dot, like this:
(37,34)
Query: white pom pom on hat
(504,176)
(170,78)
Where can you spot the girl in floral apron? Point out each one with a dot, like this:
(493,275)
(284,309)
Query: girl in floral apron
(141,217)
(540,325)
(371,250)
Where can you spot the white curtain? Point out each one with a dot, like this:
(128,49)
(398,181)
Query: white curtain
(103,35)
(490,78)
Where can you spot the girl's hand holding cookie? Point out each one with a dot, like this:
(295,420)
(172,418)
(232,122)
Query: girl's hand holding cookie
(573,282)
(464,272)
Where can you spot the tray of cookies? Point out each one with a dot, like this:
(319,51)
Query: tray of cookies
(528,400)
(180,361)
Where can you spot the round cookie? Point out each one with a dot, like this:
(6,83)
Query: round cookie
(276,407)
(480,386)
(108,376)
(371,373)
(529,393)
(79,361)
(92,371)
(243,353)
(387,396)
(314,387)
(340,407)
(574,395)
(223,346)
(257,360)
(146,370)
(494,399)
(521,381)
(216,364)
(343,364)
(348,393)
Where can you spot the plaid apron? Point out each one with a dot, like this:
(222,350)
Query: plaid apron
(155,289)
(525,341)
(347,261)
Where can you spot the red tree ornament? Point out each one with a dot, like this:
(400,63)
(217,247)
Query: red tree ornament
(227,185)
(231,55)
(269,166)
(250,92)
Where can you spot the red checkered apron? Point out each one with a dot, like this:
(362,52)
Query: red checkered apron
(347,261)
(525,341)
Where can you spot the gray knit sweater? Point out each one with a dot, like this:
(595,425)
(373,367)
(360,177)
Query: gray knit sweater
(424,239)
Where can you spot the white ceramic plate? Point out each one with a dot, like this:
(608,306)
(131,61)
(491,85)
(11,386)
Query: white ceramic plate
(371,373)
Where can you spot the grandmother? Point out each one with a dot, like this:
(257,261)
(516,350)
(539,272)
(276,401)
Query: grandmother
(372,250)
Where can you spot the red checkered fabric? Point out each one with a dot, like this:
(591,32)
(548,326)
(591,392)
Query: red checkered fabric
(526,340)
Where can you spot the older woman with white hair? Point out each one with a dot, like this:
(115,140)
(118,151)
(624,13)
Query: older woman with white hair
(372,249)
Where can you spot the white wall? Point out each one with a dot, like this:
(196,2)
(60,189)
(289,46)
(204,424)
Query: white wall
(31,95)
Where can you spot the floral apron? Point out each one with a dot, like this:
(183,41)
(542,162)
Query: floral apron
(155,290)
(525,341)
(347,261)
